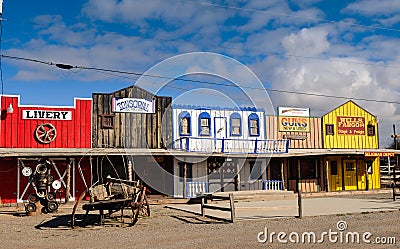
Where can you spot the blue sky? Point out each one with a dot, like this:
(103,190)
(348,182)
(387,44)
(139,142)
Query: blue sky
(335,48)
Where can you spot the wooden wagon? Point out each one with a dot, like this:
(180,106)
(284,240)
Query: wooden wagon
(124,196)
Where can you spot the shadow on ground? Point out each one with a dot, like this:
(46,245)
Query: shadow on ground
(64,221)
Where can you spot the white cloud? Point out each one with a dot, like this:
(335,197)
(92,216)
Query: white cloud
(308,41)
(373,7)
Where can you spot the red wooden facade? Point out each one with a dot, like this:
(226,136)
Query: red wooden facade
(14,186)
(31,126)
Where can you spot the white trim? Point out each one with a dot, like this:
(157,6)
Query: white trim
(43,106)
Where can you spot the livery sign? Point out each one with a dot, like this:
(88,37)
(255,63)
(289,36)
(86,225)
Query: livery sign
(47,114)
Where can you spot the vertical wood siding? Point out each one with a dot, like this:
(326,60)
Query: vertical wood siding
(132,130)
(338,141)
(313,138)
(16,132)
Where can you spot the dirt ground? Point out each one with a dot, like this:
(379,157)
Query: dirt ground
(168,228)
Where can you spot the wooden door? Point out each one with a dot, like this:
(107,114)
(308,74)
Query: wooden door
(349,175)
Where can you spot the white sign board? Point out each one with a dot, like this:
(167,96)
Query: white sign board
(293,112)
(47,114)
(133,105)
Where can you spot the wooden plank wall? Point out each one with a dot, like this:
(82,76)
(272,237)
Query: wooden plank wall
(17,132)
(313,138)
(339,141)
(132,130)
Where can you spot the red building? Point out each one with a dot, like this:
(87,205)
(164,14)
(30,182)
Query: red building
(30,133)
(27,126)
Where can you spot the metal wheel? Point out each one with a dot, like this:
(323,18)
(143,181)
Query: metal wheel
(145,208)
(75,208)
(30,208)
(52,206)
(141,206)
(51,196)
(33,198)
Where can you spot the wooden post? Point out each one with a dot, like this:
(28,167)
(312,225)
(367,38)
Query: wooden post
(298,175)
(366,175)
(282,175)
(328,187)
(299,203)
(202,207)
(184,179)
(397,162)
(232,203)
(68,187)
(237,178)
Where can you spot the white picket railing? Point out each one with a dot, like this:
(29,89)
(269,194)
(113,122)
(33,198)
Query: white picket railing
(227,145)
(195,188)
(272,185)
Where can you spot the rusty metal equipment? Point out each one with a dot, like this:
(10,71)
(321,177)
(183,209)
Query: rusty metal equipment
(45,188)
(114,196)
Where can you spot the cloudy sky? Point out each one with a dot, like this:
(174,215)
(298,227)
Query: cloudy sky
(307,53)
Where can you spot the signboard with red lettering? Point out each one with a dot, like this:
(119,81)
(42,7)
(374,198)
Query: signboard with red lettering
(347,125)
(293,119)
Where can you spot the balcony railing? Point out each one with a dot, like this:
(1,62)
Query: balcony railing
(234,146)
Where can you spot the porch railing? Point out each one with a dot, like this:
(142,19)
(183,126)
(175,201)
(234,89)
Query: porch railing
(229,145)
(194,188)
(272,185)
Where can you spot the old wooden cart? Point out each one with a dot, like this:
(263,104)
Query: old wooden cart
(116,195)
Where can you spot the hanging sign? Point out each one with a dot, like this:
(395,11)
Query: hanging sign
(133,105)
(47,114)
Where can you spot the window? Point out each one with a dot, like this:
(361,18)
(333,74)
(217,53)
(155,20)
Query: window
(330,129)
(184,124)
(334,169)
(349,166)
(254,125)
(204,124)
(369,167)
(107,121)
(256,171)
(371,130)
(308,168)
(189,171)
(236,124)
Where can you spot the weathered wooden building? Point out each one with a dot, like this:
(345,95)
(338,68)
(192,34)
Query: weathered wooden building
(291,170)
(131,118)
(351,127)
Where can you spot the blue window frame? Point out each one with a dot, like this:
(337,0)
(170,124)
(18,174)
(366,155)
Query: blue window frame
(185,129)
(236,124)
(204,124)
(254,125)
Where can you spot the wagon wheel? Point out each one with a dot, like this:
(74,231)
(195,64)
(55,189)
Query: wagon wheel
(75,207)
(145,208)
(45,133)
(140,207)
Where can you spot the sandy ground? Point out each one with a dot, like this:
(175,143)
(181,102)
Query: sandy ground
(168,228)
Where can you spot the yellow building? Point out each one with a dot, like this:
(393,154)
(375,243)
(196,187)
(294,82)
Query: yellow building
(351,127)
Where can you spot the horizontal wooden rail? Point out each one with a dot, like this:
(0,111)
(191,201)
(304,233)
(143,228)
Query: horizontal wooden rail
(230,209)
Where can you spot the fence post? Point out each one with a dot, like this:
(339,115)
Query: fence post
(232,203)
(202,206)
(299,204)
